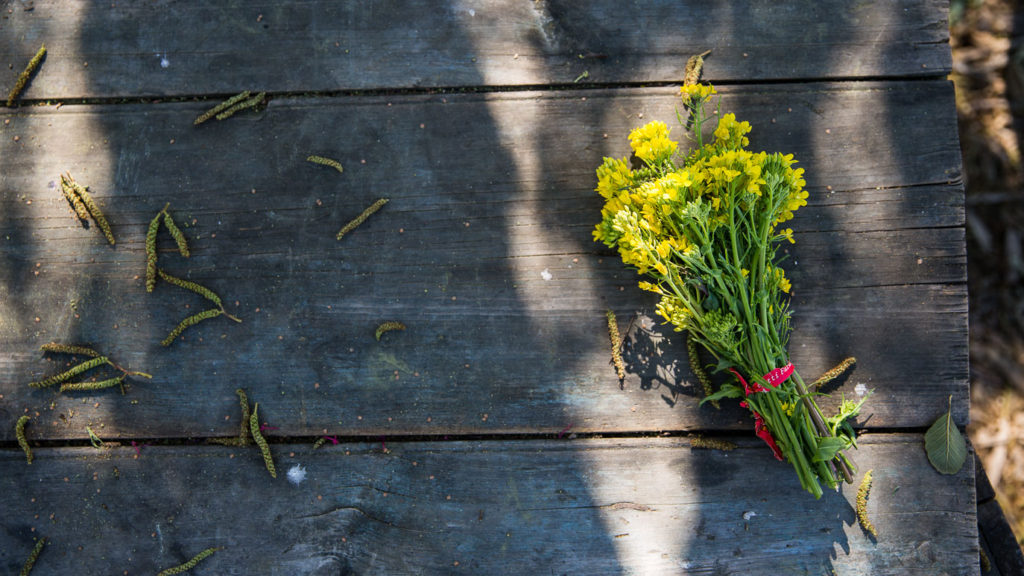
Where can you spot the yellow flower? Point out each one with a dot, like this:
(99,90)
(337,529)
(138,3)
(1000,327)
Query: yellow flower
(784,283)
(697,92)
(651,143)
(745,272)
(788,235)
(613,176)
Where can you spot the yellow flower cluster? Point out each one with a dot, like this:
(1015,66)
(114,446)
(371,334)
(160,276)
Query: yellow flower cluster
(651,143)
(698,92)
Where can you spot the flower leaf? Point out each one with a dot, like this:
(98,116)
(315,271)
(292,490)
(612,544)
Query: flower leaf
(946,447)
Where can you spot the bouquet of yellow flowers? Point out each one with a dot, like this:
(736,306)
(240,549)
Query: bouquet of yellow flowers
(705,227)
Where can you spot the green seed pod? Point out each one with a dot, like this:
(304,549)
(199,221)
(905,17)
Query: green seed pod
(613,335)
(220,108)
(862,504)
(191,563)
(86,386)
(388,327)
(68,374)
(326,162)
(189,285)
(69,349)
(250,103)
(176,233)
(697,369)
(319,442)
(19,432)
(94,210)
(254,429)
(154,228)
(33,557)
(362,217)
(190,321)
(72,197)
(243,433)
(834,372)
(25,75)
(711,443)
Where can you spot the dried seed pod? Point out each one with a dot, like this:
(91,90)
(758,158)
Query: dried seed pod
(72,197)
(388,327)
(25,75)
(694,68)
(191,563)
(862,504)
(94,210)
(834,372)
(250,103)
(68,374)
(697,369)
(243,433)
(613,335)
(154,227)
(19,432)
(176,233)
(189,285)
(69,349)
(319,442)
(85,386)
(220,108)
(711,443)
(254,429)
(32,557)
(362,217)
(190,321)
(326,162)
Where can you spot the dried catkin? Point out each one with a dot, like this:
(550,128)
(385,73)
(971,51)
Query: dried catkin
(220,108)
(19,432)
(243,432)
(257,99)
(32,557)
(25,75)
(362,217)
(176,233)
(190,321)
(154,228)
(85,386)
(68,374)
(72,197)
(697,369)
(694,68)
(862,504)
(69,349)
(191,563)
(613,334)
(326,162)
(388,327)
(94,210)
(711,443)
(834,372)
(319,442)
(254,429)
(189,285)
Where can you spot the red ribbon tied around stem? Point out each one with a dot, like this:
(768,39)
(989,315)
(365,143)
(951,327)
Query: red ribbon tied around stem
(773,378)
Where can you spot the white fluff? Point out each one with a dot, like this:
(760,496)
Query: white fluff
(860,389)
(546,274)
(296,474)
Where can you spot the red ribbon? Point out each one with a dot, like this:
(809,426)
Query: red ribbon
(773,378)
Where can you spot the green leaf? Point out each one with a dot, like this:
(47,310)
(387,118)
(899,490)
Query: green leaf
(946,447)
(726,391)
(828,447)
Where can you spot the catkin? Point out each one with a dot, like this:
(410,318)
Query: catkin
(362,217)
(613,334)
(862,504)
(243,432)
(154,228)
(85,386)
(32,557)
(68,374)
(326,162)
(257,99)
(319,442)
(191,563)
(94,209)
(711,443)
(69,349)
(176,233)
(190,321)
(189,285)
(25,75)
(19,432)
(697,369)
(834,372)
(254,429)
(694,68)
(220,108)
(388,327)
(72,197)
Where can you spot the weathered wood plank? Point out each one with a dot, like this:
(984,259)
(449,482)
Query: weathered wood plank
(642,506)
(180,48)
(489,194)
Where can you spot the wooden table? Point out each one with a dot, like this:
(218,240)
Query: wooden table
(491,436)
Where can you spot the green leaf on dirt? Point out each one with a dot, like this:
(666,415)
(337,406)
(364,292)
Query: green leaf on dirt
(946,447)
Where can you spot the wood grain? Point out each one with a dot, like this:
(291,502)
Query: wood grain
(627,506)
(489,193)
(181,48)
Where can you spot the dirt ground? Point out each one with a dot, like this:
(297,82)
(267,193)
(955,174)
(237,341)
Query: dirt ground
(988,70)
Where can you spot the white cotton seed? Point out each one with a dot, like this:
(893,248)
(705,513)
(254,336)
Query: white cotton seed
(546,274)
(296,474)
